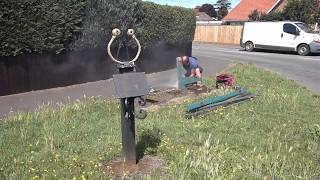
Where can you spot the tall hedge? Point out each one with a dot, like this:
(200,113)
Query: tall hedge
(59,25)
(101,16)
(167,23)
(38,25)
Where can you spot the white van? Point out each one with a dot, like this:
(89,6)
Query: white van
(286,36)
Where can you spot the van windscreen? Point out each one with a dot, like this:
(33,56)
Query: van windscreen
(304,27)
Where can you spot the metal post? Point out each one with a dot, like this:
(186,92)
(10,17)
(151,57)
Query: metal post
(128,130)
(128,85)
(128,123)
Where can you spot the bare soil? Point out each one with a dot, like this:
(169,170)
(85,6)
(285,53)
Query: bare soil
(166,97)
(147,166)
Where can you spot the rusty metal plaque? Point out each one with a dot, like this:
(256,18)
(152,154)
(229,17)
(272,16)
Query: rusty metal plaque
(131,84)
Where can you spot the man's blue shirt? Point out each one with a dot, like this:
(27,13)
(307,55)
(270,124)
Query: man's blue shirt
(193,63)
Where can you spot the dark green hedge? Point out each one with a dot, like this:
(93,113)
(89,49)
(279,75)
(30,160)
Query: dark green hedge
(101,16)
(38,25)
(167,23)
(58,25)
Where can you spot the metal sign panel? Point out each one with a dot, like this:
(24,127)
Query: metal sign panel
(131,84)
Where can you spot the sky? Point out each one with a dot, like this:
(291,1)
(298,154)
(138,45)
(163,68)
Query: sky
(190,3)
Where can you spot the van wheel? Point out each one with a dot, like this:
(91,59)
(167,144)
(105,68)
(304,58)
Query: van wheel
(249,46)
(303,50)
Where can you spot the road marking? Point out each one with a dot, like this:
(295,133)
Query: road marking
(309,58)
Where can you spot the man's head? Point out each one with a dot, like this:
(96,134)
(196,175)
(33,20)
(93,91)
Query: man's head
(185,60)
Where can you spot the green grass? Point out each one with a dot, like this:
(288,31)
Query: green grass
(275,136)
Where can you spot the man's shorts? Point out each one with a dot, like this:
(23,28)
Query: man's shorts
(188,73)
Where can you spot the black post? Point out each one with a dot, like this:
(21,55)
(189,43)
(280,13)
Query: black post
(128,85)
(128,130)
(127,123)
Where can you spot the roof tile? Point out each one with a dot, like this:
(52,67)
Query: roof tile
(245,7)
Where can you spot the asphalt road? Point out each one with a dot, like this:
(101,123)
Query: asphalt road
(303,69)
(105,89)
(214,58)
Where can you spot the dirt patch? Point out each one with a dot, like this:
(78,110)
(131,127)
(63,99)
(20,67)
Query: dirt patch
(166,97)
(146,167)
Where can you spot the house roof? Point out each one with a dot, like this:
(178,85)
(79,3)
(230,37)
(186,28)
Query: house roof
(202,16)
(196,9)
(245,7)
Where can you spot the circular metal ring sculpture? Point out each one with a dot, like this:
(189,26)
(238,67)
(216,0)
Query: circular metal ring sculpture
(117,32)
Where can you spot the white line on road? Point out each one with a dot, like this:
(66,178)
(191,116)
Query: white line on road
(309,58)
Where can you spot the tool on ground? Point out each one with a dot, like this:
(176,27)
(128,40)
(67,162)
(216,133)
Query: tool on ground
(183,81)
(211,103)
(225,80)
(129,85)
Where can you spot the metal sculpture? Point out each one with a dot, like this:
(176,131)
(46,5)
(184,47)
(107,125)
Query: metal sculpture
(129,85)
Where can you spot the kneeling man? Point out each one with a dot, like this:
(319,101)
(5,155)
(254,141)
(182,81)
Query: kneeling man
(192,66)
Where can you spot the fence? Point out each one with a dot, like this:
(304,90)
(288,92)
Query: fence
(218,34)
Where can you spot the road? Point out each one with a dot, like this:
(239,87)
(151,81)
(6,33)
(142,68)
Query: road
(214,58)
(30,101)
(303,69)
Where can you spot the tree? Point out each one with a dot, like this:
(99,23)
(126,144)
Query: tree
(208,9)
(223,7)
(296,10)
(302,10)
(255,15)
(273,16)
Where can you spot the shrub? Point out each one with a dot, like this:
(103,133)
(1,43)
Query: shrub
(59,25)
(256,15)
(33,25)
(104,15)
(296,10)
(167,23)
(302,10)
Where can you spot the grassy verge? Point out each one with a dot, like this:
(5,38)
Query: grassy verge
(276,135)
